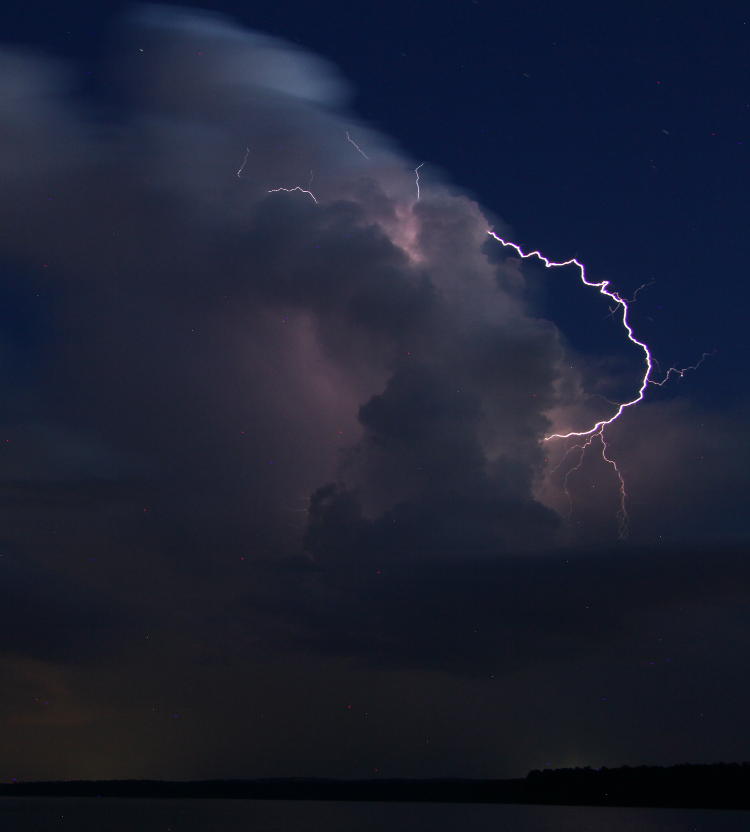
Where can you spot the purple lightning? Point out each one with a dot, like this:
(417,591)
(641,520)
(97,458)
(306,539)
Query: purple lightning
(623,520)
(416,181)
(681,371)
(603,290)
(577,467)
(597,430)
(292,190)
(643,286)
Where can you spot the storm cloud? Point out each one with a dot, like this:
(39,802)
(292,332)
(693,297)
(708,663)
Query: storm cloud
(239,349)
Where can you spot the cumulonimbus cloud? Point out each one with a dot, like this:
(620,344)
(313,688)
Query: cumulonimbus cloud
(243,347)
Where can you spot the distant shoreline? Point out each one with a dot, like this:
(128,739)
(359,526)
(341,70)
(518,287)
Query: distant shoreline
(718,786)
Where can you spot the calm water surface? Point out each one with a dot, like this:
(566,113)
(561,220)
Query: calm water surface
(114,815)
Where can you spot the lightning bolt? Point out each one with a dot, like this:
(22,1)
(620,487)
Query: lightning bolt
(244,162)
(577,467)
(416,180)
(622,305)
(680,371)
(292,190)
(623,521)
(359,149)
(640,289)
(643,286)
(620,302)
(597,430)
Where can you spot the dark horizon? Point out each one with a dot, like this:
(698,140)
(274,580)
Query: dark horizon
(688,786)
(717,765)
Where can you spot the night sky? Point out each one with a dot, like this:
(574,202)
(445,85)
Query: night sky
(276,494)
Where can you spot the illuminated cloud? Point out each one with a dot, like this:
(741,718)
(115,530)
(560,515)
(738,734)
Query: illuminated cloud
(244,348)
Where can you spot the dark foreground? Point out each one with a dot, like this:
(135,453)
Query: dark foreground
(89,814)
(720,786)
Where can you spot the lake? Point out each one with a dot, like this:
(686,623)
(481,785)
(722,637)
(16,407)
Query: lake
(134,815)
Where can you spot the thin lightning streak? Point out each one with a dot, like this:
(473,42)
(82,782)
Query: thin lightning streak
(623,520)
(622,512)
(291,190)
(567,453)
(244,162)
(359,149)
(619,301)
(643,286)
(640,289)
(598,429)
(680,371)
(416,181)
(577,467)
